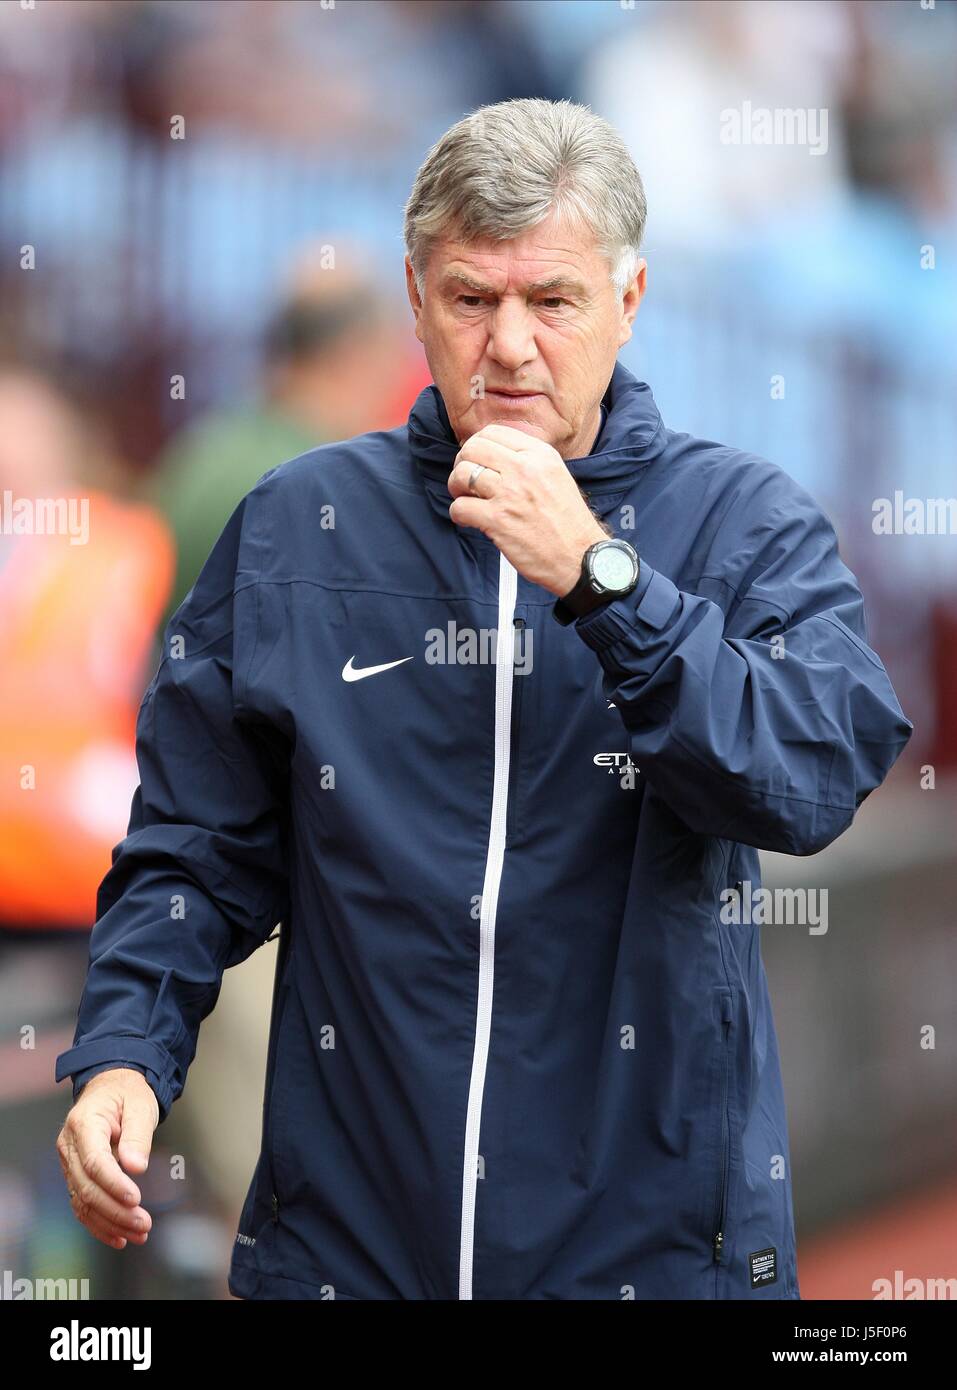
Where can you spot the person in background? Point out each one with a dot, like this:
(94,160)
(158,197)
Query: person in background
(335,363)
(77,614)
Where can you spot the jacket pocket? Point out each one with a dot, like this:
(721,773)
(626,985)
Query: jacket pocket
(723,1167)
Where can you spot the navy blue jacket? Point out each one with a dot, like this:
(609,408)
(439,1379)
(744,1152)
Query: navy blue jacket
(515,1051)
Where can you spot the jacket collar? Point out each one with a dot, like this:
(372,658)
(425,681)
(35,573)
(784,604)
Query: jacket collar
(632,435)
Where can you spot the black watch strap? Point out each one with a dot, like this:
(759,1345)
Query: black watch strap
(584,598)
(578,601)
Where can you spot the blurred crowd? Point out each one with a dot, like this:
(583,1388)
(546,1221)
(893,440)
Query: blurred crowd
(201,207)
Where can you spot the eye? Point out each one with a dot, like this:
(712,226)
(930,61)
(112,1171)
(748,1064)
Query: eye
(552,302)
(471,301)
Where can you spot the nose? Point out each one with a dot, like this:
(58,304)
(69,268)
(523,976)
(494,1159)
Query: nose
(511,341)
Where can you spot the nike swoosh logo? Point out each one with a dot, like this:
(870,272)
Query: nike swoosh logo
(359,673)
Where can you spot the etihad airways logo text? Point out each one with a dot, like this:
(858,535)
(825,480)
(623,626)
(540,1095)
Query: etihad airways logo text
(621,764)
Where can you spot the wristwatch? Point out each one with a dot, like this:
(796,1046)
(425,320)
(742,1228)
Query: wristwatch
(609,571)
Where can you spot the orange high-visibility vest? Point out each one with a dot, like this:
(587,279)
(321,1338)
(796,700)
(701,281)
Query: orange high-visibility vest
(77,624)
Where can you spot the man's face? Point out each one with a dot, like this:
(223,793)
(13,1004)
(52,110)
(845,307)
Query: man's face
(524,332)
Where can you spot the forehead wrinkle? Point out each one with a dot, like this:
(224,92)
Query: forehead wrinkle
(558,282)
(552,282)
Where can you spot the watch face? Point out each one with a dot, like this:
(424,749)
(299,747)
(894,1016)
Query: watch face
(613,567)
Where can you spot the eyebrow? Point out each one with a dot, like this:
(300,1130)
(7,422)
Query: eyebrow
(555,282)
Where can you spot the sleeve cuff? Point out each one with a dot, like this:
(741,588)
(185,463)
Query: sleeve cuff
(80,1078)
(120,1051)
(650,604)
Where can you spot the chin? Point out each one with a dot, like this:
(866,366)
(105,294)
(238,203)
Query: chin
(527,419)
(526,426)
(485,413)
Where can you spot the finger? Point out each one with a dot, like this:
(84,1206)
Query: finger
(479,449)
(506,435)
(138,1121)
(115,1243)
(460,480)
(102,1231)
(92,1132)
(471,511)
(112,1235)
(88,1199)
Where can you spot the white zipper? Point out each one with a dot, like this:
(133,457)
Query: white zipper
(504,660)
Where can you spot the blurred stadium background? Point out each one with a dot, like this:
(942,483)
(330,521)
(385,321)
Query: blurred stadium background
(171,326)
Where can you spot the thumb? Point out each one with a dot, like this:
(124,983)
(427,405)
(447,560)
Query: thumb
(140,1114)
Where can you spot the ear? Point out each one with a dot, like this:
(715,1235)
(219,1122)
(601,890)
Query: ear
(414,297)
(630,300)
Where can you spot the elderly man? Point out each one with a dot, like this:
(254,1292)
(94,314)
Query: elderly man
(492,713)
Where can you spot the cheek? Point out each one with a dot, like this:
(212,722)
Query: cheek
(575,358)
(459,344)
(577,345)
(595,357)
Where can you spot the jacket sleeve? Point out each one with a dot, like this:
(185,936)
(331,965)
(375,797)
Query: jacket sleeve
(760,715)
(200,879)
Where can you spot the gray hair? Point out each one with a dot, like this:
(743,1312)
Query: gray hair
(503,169)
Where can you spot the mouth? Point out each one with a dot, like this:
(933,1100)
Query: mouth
(514,397)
